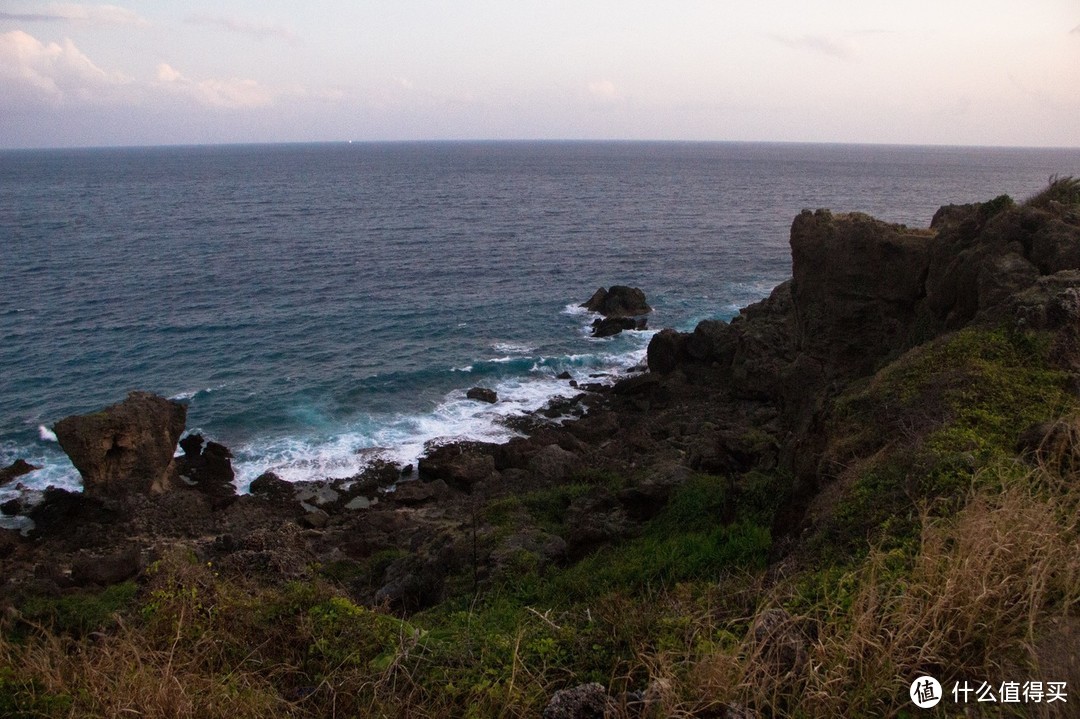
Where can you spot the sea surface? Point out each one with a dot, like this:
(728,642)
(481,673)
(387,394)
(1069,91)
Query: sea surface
(312,302)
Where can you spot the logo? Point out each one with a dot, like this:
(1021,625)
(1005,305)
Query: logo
(925,692)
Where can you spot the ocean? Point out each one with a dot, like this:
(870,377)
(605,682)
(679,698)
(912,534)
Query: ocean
(313,302)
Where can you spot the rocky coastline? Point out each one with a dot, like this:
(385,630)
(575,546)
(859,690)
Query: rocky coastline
(753,402)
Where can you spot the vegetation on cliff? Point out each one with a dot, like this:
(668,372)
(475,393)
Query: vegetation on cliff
(919,517)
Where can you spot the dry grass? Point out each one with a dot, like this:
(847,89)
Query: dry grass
(971,604)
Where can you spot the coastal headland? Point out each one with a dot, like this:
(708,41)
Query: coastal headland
(868,476)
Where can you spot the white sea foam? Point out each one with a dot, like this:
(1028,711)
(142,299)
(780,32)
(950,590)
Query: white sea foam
(192,394)
(45,434)
(576,309)
(341,453)
(518,348)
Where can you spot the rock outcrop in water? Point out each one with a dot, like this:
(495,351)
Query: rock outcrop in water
(126,448)
(621,308)
(618,301)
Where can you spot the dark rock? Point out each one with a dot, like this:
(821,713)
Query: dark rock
(850,313)
(585,701)
(16,469)
(666,351)
(541,547)
(564,375)
(105,569)
(460,464)
(593,520)
(636,385)
(414,493)
(315,519)
(208,468)
(269,486)
(61,511)
(482,394)
(618,301)
(11,507)
(553,463)
(413,582)
(610,326)
(125,448)
(192,445)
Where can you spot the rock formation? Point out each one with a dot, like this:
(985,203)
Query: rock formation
(16,469)
(125,448)
(618,301)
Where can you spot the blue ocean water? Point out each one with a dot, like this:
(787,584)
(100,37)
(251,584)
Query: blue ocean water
(311,302)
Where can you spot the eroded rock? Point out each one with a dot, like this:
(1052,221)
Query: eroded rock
(125,448)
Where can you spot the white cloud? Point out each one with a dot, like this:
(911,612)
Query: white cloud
(603,90)
(822,44)
(77,12)
(260,31)
(228,93)
(54,73)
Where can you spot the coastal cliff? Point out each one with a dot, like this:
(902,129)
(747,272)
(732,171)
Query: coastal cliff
(866,476)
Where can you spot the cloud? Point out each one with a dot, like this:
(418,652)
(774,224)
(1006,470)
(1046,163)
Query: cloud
(229,93)
(53,73)
(603,90)
(76,12)
(1075,30)
(821,44)
(259,31)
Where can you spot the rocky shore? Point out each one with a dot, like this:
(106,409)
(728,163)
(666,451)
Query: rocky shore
(755,403)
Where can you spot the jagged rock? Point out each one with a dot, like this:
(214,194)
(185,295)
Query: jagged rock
(851,314)
(105,569)
(594,519)
(618,301)
(415,493)
(61,511)
(16,469)
(209,467)
(460,464)
(585,701)
(610,326)
(482,394)
(666,351)
(315,519)
(125,448)
(553,463)
(269,486)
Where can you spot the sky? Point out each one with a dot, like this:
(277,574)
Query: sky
(163,72)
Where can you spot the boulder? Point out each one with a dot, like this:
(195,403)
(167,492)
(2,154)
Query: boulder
(618,301)
(553,463)
(610,326)
(16,469)
(208,467)
(460,464)
(269,486)
(585,701)
(666,351)
(482,394)
(125,448)
(61,511)
(105,569)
